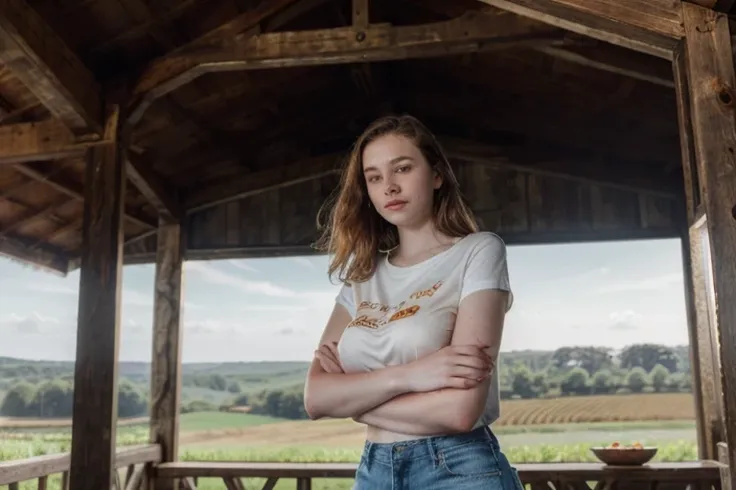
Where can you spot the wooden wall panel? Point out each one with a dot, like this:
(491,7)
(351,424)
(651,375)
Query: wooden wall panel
(522,207)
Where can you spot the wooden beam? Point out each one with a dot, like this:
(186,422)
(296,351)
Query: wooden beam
(474,31)
(75,193)
(711,83)
(167,340)
(40,59)
(614,60)
(37,141)
(95,412)
(161,196)
(44,257)
(648,26)
(259,182)
(707,392)
(33,215)
(547,162)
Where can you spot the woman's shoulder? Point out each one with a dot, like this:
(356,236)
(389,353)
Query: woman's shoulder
(484,240)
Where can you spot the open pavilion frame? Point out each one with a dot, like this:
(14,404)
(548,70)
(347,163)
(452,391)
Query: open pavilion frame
(156,132)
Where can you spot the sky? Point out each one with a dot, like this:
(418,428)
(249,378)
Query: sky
(607,294)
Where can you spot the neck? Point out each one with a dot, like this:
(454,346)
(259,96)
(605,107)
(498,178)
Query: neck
(414,241)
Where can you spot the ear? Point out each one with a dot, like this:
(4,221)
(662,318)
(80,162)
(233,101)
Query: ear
(437,181)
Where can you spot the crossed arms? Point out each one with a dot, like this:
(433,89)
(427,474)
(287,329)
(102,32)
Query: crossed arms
(437,394)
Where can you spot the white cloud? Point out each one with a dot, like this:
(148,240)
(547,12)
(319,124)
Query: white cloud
(304,262)
(646,284)
(214,276)
(625,320)
(242,265)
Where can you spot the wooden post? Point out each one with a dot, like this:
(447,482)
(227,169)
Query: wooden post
(701,330)
(166,363)
(708,62)
(95,374)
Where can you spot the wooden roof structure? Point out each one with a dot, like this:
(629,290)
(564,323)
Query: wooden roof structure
(231,99)
(159,131)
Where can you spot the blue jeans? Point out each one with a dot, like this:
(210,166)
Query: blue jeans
(460,462)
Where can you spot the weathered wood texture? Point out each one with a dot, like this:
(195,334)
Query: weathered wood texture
(95,376)
(36,54)
(46,468)
(167,340)
(563,102)
(554,476)
(711,84)
(707,389)
(523,207)
(649,26)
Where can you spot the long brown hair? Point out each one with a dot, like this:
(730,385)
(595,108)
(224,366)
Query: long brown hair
(354,232)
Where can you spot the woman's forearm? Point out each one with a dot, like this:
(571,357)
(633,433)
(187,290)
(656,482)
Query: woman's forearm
(343,395)
(444,411)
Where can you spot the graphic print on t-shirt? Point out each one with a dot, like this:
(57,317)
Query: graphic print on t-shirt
(378,313)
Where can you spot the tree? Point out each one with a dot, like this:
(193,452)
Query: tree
(602,382)
(17,400)
(660,378)
(646,356)
(522,382)
(637,380)
(54,398)
(592,359)
(576,382)
(131,402)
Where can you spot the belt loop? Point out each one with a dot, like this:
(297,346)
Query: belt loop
(430,441)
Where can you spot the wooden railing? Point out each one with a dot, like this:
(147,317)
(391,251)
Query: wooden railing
(137,460)
(699,475)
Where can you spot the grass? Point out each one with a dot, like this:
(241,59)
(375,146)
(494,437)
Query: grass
(558,430)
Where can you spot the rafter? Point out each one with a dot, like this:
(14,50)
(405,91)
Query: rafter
(77,193)
(40,59)
(612,59)
(37,141)
(164,199)
(649,26)
(259,182)
(474,31)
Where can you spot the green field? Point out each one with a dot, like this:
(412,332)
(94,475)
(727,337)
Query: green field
(218,436)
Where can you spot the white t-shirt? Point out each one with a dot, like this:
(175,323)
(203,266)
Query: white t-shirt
(404,313)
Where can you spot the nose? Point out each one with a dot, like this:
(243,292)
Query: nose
(391,187)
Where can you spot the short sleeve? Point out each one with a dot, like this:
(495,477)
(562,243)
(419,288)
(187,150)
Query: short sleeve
(486,268)
(346,298)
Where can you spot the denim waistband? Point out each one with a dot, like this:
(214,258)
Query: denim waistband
(425,447)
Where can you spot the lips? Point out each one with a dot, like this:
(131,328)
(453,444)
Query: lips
(395,204)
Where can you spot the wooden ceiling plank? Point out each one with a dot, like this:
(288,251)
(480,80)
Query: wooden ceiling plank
(16,249)
(649,26)
(33,215)
(621,63)
(259,182)
(474,31)
(78,194)
(41,60)
(239,26)
(164,199)
(542,161)
(36,141)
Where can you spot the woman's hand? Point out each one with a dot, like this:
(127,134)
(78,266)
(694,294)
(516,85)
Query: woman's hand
(328,358)
(454,366)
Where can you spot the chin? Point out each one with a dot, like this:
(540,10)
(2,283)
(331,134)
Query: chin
(401,220)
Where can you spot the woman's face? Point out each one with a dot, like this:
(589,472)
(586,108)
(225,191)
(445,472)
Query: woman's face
(400,181)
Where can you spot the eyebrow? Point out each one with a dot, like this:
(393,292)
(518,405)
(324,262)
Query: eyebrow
(393,161)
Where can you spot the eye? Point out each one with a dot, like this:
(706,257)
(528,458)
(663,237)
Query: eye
(373,178)
(404,168)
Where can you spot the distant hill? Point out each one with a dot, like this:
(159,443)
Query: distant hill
(36,388)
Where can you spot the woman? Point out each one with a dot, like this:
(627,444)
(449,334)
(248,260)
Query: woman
(410,347)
